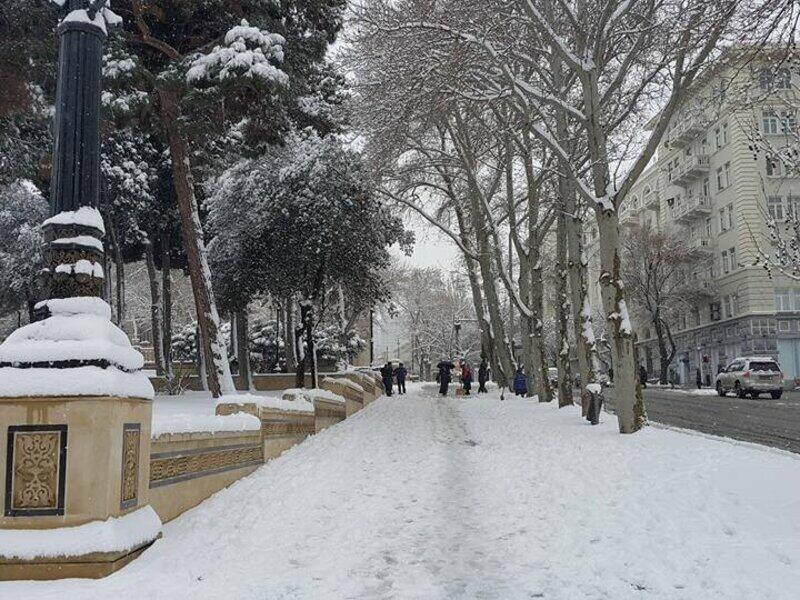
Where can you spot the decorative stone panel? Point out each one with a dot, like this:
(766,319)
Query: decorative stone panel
(172,467)
(36,463)
(131,441)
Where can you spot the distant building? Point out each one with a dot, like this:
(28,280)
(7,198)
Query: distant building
(708,182)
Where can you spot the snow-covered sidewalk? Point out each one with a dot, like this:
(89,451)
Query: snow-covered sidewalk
(419,497)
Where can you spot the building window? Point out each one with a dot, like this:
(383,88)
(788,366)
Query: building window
(723,176)
(724,134)
(732,255)
(774,167)
(714,311)
(706,188)
(709,227)
(784,326)
(722,228)
(788,122)
(718,138)
(730,306)
(779,79)
(726,265)
(783,300)
(730,216)
(769,122)
(796,298)
(775,208)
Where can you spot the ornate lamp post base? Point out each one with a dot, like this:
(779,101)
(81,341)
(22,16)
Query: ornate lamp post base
(75,408)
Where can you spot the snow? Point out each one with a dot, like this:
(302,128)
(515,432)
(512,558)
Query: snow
(327,395)
(248,52)
(79,381)
(594,388)
(420,497)
(76,306)
(85,216)
(116,534)
(81,240)
(267,402)
(192,422)
(82,16)
(84,267)
(347,383)
(71,337)
(625,326)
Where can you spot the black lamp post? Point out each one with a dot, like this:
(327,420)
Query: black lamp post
(74,252)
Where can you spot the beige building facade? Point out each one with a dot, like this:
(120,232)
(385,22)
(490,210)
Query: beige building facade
(714,180)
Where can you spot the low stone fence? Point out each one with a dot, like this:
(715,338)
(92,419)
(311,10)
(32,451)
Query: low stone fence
(284,423)
(262,382)
(187,468)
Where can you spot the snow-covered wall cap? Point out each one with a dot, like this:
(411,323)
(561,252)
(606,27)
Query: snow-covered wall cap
(116,534)
(77,306)
(80,381)
(85,216)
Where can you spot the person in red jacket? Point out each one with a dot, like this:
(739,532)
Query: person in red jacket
(466,377)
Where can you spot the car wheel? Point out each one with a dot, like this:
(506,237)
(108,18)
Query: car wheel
(776,395)
(720,391)
(740,393)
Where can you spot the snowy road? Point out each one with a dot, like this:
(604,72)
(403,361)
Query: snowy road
(418,497)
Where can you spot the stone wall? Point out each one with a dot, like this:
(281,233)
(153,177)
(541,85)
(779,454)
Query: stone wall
(187,468)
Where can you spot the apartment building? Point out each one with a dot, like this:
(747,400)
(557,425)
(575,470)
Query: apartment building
(709,184)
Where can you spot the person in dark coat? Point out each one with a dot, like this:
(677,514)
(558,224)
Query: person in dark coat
(520,382)
(443,376)
(483,377)
(699,378)
(466,377)
(386,375)
(400,375)
(643,376)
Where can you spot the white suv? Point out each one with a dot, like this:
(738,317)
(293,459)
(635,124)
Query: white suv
(751,376)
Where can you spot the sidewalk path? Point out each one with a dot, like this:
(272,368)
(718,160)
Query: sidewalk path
(418,497)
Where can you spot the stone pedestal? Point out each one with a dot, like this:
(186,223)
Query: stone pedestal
(64,463)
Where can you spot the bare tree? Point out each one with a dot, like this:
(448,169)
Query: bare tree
(666,273)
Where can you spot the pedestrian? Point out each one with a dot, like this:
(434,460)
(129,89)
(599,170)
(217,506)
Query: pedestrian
(698,378)
(386,375)
(466,377)
(483,377)
(400,375)
(643,376)
(673,377)
(520,382)
(443,376)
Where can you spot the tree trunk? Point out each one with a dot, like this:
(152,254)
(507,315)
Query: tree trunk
(629,403)
(166,291)
(202,371)
(217,367)
(289,337)
(156,320)
(586,347)
(665,355)
(119,268)
(538,355)
(307,331)
(243,350)
(562,315)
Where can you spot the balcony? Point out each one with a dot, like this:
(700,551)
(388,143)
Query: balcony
(685,130)
(689,169)
(700,242)
(692,208)
(652,201)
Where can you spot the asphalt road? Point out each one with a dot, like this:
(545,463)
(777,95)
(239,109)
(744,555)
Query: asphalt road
(764,421)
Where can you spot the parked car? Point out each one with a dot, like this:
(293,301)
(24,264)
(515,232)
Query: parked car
(751,376)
